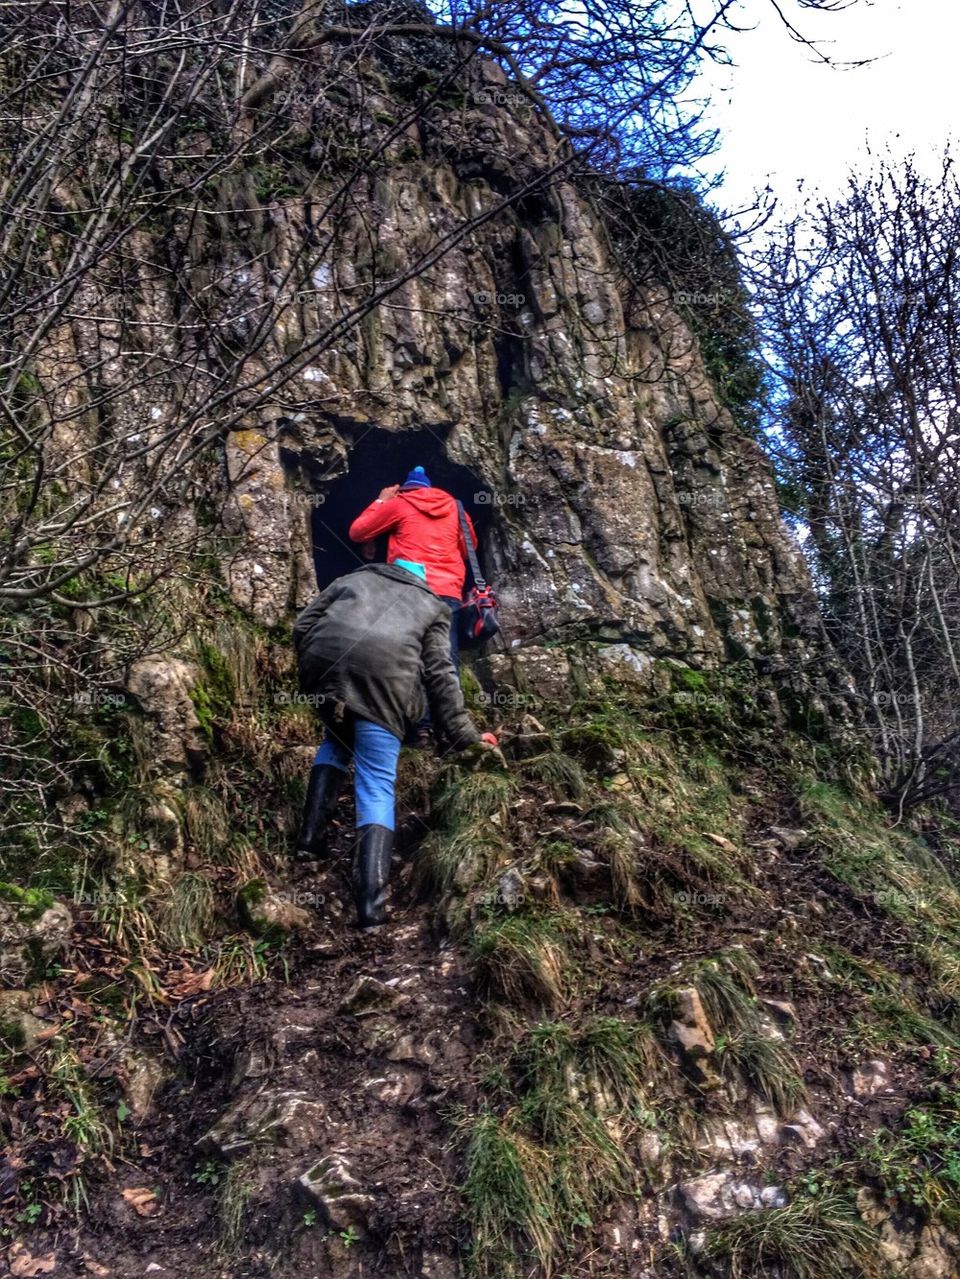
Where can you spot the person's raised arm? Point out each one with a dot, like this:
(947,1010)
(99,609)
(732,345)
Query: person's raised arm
(380,516)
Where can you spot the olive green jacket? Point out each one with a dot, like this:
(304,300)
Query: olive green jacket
(371,642)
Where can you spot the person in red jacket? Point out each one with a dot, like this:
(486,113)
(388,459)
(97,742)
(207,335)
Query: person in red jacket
(424,527)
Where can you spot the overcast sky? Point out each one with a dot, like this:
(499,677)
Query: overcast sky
(784,117)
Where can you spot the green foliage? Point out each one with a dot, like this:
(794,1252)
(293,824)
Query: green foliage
(896,1023)
(555,1156)
(672,238)
(29,903)
(893,871)
(766,1065)
(209,1173)
(821,1237)
(919,1164)
(188,915)
(747,1048)
(508,1196)
(236,1190)
(560,774)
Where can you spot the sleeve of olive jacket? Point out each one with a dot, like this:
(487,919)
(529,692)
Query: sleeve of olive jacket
(312,614)
(443,687)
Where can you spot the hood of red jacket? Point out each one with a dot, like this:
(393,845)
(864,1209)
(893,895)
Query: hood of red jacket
(432,502)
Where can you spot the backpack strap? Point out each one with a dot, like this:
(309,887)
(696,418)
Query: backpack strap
(478,579)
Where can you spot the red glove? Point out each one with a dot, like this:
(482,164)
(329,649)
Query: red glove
(490,739)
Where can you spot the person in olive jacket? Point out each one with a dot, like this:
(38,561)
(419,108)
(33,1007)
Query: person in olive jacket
(363,647)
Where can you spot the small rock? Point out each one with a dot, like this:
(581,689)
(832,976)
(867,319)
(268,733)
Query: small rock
(332,1186)
(436,1265)
(290,1117)
(696,1241)
(868,1079)
(721,841)
(266,913)
(744,1196)
(395,1089)
(510,887)
(767,1124)
(694,1034)
(408,1049)
(369,995)
(141,1076)
(710,1197)
(803,1130)
(35,928)
(781,1009)
(789,837)
(19,1028)
(774,1197)
(651,1150)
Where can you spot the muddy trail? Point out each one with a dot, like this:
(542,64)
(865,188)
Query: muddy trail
(337,1081)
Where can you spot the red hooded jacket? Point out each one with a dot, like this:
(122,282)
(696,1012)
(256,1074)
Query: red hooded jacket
(424,526)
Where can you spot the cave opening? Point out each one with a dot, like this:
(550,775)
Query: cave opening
(376,459)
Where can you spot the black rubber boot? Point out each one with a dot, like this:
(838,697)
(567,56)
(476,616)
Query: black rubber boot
(322,791)
(371,873)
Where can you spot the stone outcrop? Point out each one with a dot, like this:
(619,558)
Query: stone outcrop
(34,929)
(625,503)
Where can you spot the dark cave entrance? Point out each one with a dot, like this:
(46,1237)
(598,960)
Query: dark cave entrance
(378,458)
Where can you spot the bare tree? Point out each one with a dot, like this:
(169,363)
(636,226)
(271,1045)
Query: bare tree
(861,301)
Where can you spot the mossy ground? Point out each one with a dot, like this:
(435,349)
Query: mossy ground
(626,852)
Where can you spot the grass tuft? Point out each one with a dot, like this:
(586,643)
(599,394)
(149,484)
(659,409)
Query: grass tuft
(812,1238)
(521,960)
(188,915)
(508,1194)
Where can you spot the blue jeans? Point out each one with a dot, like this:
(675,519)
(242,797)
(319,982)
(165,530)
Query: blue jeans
(375,752)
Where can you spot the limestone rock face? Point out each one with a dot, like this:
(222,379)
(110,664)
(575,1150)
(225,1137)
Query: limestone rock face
(625,502)
(912,1250)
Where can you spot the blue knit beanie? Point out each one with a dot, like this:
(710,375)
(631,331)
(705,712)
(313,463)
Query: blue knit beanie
(417,479)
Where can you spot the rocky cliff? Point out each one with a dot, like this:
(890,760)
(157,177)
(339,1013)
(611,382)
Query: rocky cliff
(668,995)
